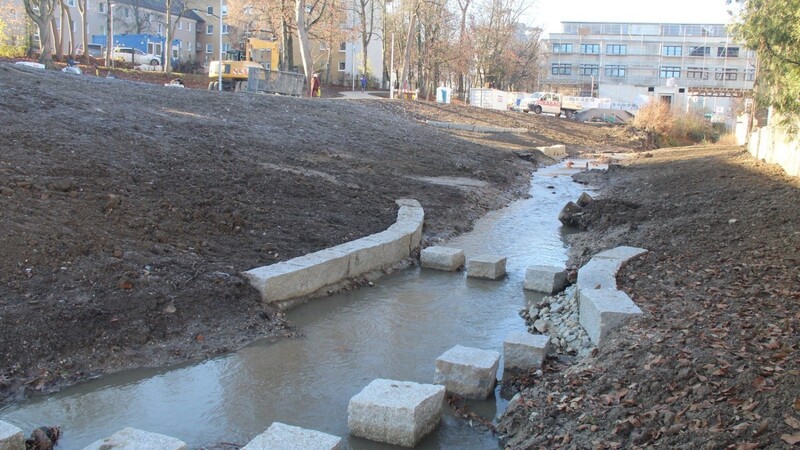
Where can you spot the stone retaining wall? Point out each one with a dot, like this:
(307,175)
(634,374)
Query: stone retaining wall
(475,128)
(308,274)
(602,307)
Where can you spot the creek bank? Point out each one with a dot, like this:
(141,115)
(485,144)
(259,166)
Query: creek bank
(713,362)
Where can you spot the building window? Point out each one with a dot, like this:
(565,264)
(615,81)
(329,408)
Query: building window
(180,24)
(126,12)
(226,47)
(615,71)
(671,30)
(224,10)
(562,48)
(587,70)
(699,51)
(341,66)
(728,52)
(697,73)
(616,49)
(672,50)
(670,72)
(561,69)
(210,10)
(209,48)
(591,49)
(71,3)
(209,29)
(323,46)
(160,28)
(188,26)
(225,28)
(342,46)
(102,7)
(726,75)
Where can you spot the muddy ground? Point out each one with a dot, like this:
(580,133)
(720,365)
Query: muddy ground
(129,209)
(714,362)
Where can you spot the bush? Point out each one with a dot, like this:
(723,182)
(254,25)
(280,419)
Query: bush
(665,128)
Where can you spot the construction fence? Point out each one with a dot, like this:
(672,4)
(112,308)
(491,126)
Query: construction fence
(275,82)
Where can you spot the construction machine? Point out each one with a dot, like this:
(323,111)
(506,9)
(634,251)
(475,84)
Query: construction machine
(252,52)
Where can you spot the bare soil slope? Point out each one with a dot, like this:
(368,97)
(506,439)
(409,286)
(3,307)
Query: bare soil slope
(129,209)
(714,363)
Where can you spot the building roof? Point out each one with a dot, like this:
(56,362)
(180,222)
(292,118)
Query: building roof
(161,6)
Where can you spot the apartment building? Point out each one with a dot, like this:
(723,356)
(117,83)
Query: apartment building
(685,64)
(130,17)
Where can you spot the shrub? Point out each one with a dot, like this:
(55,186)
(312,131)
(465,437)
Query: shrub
(665,128)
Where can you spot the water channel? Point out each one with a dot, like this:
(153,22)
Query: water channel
(395,330)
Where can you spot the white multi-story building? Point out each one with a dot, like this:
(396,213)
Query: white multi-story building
(684,64)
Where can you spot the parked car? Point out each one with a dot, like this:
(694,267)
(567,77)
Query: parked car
(135,56)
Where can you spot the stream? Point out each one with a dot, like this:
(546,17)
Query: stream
(395,329)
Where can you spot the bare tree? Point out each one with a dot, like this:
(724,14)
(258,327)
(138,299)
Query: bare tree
(41,13)
(67,29)
(83,9)
(180,8)
(365,11)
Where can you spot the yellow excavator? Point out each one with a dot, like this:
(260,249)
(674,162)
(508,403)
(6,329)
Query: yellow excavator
(252,52)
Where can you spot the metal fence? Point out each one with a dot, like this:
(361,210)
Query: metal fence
(275,82)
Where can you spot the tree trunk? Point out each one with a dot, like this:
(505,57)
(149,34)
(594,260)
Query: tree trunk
(302,36)
(167,60)
(70,30)
(57,38)
(82,8)
(404,84)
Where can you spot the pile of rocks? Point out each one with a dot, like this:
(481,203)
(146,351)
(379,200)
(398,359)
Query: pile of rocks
(558,316)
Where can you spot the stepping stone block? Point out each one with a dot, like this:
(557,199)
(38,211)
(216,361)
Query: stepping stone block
(11,437)
(442,258)
(468,372)
(547,279)
(395,412)
(490,267)
(133,439)
(523,351)
(602,310)
(280,436)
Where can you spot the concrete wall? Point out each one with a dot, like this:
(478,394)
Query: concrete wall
(309,274)
(771,145)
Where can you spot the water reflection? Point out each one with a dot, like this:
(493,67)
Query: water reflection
(395,329)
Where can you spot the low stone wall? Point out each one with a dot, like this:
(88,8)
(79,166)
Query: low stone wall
(308,274)
(475,128)
(601,306)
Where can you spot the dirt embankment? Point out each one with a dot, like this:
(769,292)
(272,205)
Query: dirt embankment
(714,363)
(129,210)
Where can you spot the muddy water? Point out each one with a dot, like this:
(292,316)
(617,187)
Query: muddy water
(395,330)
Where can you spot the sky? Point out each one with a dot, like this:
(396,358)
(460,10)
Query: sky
(550,13)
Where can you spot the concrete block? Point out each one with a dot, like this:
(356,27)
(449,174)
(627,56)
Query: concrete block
(11,437)
(553,150)
(280,436)
(523,351)
(133,439)
(376,251)
(299,276)
(603,310)
(411,217)
(547,279)
(468,372)
(491,267)
(395,412)
(620,254)
(598,273)
(442,258)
